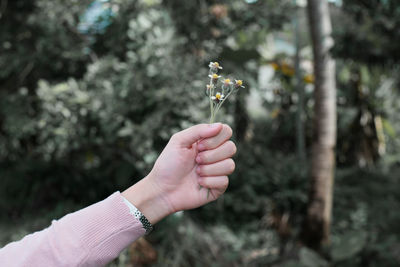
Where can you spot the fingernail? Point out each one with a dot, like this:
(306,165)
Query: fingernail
(201,146)
(214,125)
(198,170)
(198,159)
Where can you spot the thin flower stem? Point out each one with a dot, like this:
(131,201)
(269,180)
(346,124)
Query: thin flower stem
(211,93)
(211,109)
(220,104)
(212,118)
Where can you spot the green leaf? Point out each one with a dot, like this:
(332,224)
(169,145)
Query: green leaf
(348,245)
(309,258)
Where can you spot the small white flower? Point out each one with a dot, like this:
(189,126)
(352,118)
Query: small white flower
(227,82)
(218,97)
(239,83)
(214,76)
(215,65)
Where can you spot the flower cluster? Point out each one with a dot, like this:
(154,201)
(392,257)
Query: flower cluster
(217,96)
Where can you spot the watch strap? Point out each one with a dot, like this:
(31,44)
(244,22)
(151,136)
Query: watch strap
(139,216)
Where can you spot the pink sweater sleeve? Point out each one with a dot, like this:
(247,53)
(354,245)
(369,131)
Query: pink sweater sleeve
(92,236)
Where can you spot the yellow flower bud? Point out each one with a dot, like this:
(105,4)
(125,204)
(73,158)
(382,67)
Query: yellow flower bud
(227,81)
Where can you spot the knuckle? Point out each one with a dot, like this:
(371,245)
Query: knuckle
(202,182)
(231,165)
(199,170)
(232,147)
(226,182)
(228,130)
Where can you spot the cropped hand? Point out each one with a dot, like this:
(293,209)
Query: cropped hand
(194,161)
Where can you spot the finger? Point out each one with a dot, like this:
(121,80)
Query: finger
(224,167)
(195,133)
(217,140)
(226,150)
(214,182)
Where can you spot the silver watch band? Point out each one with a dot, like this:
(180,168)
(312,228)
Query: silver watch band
(146,224)
(140,216)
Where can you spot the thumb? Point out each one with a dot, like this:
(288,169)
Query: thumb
(188,137)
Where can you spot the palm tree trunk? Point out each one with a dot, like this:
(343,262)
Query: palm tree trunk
(316,228)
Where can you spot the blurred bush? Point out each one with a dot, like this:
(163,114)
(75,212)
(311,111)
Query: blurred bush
(103,131)
(87,105)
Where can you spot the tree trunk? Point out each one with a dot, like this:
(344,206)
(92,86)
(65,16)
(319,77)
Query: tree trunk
(300,139)
(316,228)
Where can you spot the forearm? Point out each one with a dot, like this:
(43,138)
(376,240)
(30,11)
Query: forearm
(89,237)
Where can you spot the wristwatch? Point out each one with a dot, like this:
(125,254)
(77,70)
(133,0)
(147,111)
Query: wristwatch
(140,216)
(146,224)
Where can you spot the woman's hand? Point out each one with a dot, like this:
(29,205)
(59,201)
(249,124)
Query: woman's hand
(194,161)
(196,156)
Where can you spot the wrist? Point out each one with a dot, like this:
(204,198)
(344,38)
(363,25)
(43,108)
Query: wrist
(146,197)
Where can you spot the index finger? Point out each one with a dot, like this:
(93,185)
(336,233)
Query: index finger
(215,141)
(191,135)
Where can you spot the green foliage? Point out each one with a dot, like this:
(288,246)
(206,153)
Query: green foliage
(370,34)
(40,40)
(364,224)
(96,107)
(107,126)
(85,113)
(348,245)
